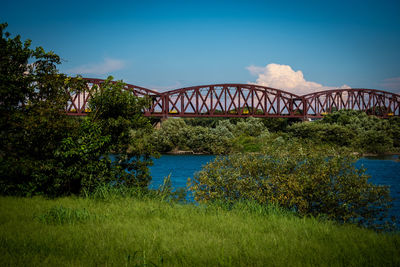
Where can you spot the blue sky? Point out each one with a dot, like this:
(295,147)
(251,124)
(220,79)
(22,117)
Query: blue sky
(300,45)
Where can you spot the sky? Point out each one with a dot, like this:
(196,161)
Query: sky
(298,46)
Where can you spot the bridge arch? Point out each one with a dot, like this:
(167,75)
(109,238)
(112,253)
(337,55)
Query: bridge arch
(245,100)
(372,101)
(231,100)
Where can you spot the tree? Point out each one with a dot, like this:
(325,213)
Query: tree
(33,121)
(44,151)
(120,116)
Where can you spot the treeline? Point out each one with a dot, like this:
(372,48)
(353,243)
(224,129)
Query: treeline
(346,128)
(353,129)
(220,137)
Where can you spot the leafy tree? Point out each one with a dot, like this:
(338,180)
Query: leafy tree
(120,116)
(110,146)
(44,151)
(33,121)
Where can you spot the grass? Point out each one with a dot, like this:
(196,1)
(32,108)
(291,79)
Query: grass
(125,231)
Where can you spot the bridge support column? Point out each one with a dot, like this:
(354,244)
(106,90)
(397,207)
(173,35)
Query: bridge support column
(158,124)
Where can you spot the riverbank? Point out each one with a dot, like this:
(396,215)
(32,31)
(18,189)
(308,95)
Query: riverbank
(360,154)
(130,232)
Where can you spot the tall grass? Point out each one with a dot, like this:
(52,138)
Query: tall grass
(151,232)
(62,215)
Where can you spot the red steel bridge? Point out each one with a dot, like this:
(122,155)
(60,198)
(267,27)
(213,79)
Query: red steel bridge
(245,100)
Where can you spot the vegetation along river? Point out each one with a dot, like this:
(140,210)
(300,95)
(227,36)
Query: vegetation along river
(384,170)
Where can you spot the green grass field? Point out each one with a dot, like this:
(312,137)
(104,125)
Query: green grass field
(129,232)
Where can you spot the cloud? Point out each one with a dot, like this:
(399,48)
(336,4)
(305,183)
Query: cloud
(285,78)
(392,84)
(108,65)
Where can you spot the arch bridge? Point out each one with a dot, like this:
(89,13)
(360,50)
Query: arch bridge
(245,100)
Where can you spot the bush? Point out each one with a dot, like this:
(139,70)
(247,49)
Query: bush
(372,134)
(171,135)
(319,132)
(375,141)
(221,139)
(303,178)
(250,126)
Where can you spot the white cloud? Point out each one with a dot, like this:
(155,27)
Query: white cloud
(285,78)
(108,65)
(392,84)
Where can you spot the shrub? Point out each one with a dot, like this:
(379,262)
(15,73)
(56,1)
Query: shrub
(375,141)
(321,132)
(298,177)
(171,135)
(250,126)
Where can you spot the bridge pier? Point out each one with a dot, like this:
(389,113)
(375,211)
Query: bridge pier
(158,124)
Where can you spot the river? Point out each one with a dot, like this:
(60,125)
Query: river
(383,170)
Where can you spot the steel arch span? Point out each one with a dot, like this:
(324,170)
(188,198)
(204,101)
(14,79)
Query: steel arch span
(245,100)
(371,101)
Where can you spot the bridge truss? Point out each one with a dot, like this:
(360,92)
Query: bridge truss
(245,100)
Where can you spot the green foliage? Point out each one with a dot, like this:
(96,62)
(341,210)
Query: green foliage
(353,129)
(171,135)
(119,115)
(251,127)
(44,151)
(323,133)
(298,177)
(83,161)
(61,215)
(276,124)
(375,141)
(221,139)
(394,131)
(344,128)
(245,143)
(32,122)
(204,122)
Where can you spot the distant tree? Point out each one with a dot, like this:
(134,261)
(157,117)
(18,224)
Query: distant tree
(353,129)
(323,133)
